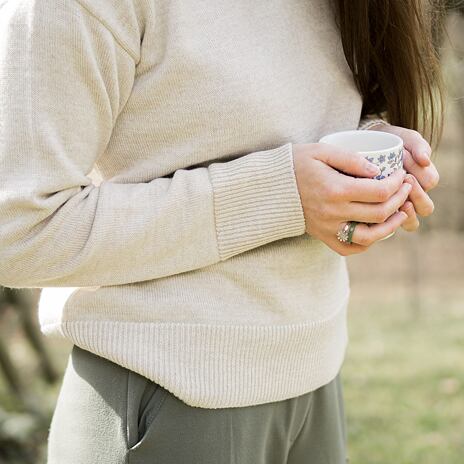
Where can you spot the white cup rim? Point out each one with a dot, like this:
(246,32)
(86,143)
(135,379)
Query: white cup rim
(397,142)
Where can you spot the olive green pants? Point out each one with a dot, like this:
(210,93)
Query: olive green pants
(106,413)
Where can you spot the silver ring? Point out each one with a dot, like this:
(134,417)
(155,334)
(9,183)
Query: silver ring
(345,234)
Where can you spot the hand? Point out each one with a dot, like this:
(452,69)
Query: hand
(423,175)
(330,196)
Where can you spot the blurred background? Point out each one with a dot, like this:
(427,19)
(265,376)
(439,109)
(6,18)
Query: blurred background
(404,372)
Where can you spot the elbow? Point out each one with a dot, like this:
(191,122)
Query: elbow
(22,264)
(12,274)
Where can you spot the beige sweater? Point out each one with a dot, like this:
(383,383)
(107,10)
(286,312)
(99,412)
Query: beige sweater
(189,262)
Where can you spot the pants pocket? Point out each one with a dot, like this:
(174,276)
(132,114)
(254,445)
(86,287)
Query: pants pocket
(145,399)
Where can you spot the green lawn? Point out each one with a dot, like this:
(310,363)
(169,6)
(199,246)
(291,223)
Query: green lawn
(404,385)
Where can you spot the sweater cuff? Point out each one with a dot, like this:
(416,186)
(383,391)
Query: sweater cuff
(256,200)
(368,122)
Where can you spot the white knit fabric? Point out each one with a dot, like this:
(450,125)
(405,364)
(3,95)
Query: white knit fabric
(189,262)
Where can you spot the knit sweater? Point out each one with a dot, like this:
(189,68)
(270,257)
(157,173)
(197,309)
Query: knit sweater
(189,262)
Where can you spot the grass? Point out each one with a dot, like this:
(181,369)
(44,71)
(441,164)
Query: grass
(403,380)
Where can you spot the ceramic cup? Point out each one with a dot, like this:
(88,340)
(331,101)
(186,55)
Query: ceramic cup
(381,148)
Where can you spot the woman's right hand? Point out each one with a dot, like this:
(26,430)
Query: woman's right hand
(331,196)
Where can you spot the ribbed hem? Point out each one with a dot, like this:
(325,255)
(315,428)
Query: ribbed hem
(220,366)
(256,200)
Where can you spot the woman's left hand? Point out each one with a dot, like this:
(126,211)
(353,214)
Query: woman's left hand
(422,174)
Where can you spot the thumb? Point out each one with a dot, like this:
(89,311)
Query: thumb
(349,162)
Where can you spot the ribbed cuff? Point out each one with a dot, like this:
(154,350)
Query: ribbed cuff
(368,122)
(256,200)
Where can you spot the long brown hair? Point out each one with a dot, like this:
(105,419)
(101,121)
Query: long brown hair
(391,47)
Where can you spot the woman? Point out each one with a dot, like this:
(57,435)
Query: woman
(208,287)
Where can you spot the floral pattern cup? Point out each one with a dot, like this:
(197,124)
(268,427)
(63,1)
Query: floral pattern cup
(381,148)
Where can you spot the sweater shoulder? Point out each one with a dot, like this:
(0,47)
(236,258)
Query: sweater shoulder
(126,20)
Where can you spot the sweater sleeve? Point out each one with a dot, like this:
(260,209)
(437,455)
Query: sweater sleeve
(369,121)
(64,78)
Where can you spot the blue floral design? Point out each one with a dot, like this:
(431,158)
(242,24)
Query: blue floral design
(387,163)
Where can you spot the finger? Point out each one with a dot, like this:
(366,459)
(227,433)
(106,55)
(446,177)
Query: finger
(413,142)
(367,234)
(412,223)
(345,249)
(417,146)
(423,205)
(376,213)
(372,190)
(427,177)
(351,163)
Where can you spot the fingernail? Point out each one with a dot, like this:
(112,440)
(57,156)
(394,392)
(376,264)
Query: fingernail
(405,216)
(372,168)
